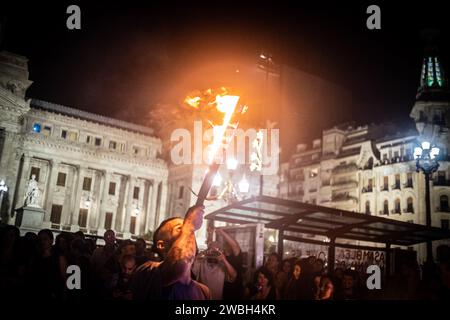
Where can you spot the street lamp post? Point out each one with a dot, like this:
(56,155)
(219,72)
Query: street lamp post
(242,186)
(426,162)
(230,191)
(267,64)
(3,190)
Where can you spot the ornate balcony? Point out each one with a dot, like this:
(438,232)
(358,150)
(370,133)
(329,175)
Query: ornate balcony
(345,184)
(340,197)
(396,186)
(408,184)
(443,209)
(345,168)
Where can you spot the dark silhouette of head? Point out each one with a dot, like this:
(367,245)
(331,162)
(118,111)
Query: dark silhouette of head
(45,237)
(9,236)
(79,235)
(140,246)
(110,237)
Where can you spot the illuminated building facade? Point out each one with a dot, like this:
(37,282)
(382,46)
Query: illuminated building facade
(93,172)
(371,169)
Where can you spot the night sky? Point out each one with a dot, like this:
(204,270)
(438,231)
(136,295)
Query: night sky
(130,53)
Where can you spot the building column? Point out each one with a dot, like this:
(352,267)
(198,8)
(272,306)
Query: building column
(68,191)
(161,203)
(104,196)
(163,214)
(143,215)
(150,214)
(123,191)
(19,188)
(128,206)
(173,197)
(24,177)
(14,167)
(157,196)
(51,182)
(77,197)
(97,193)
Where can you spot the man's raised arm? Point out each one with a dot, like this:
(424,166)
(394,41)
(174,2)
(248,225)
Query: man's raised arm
(231,241)
(179,259)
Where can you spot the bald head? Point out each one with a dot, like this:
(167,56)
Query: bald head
(168,231)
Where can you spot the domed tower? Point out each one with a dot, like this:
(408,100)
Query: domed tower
(431,111)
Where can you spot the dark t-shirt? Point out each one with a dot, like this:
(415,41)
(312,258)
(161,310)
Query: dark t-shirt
(140,260)
(272,295)
(297,290)
(234,290)
(147,285)
(46,279)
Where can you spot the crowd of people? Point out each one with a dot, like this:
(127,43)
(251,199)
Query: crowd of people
(35,266)
(308,279)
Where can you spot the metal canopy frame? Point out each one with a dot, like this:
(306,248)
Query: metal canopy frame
(293,219)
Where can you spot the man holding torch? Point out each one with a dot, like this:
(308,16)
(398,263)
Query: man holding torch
(174,241)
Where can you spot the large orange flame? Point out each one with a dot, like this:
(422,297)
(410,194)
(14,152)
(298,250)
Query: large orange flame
(193,101)
(224,103)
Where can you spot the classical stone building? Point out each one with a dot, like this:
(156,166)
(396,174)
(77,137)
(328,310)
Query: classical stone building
(371,169)
(94,172)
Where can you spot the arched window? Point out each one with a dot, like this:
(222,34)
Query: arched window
(397,206)
(397,181)
(409,205)
(409,180)
(444,203)
(367,207)
(385,207)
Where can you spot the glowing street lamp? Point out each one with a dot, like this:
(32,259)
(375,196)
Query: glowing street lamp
(217,180)
(426,162)
(232,164)
(87,203)
(230,191)
(3,190)
(244,186)
(3,186)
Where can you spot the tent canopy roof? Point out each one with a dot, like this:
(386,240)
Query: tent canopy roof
(302,218)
